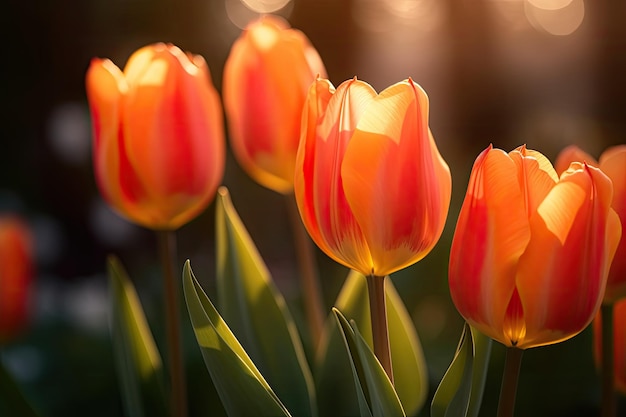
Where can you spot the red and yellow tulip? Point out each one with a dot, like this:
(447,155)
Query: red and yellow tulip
(372,189)
(613,164)
(16,273)
(266,79)
(531,251)
(158,135)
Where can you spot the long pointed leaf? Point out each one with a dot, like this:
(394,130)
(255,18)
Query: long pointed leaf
(461,389)
(257,313)
(409,366)
(139,366)
(238,382)
(369,375)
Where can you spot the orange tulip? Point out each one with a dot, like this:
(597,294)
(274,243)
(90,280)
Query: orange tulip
(158,135)
(619,343)
(613,164)
(266,79)
(530,254)
(372,189)
(16,271)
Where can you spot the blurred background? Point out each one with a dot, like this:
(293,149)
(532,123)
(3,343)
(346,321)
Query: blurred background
(545,73)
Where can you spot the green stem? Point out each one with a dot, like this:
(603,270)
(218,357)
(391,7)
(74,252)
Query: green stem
(609,404)
(512,365)
(309,277)
(378,313)
(167,249)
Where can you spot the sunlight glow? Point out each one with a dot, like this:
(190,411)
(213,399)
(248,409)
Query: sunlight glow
(386,15)
(265,6)
(242,12)
(550,4)
(556,21)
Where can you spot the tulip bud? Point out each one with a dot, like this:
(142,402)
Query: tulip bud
(16,272)
(531,252)
(613,164)
(158,135)
(266,79)
(372,189)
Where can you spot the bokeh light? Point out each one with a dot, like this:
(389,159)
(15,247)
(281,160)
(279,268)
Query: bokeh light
(545,15)
(242,12)
(386,15)
(265,6)
(69,132)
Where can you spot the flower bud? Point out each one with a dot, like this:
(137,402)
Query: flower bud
(372,189)
(266,79)
(158,135)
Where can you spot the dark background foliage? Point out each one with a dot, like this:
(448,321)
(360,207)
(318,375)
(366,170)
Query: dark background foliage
(494,74)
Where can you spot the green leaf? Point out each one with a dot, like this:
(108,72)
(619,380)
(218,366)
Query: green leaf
(257,313)
(12,400)
(238,382)
(139,366)
(461,389)
(371,380)
(333,373)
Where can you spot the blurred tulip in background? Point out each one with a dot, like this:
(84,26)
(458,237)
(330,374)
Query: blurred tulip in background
(266,79)
(16,274)
(158,135)
(613,164)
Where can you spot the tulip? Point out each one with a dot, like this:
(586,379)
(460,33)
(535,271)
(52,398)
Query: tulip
(16,272)
(619,344)
(613,164)
(371,187)
(158,135)
(531,251)
(266,79)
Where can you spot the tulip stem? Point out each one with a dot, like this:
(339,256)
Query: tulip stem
(508,391)
(609,404)
(167,249)
(378,313)
(309,277)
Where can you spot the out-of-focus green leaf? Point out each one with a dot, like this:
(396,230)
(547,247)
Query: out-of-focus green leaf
(240,385)
(461,390)
(139,366)
(12,400)
(257,313)
(333,373)
(370,378)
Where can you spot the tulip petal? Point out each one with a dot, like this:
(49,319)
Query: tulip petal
(169,118)
(562,273)
(106,88)
(536,176)
(326,213)
(613,164)
(396,182)
(571,154)
(491,234)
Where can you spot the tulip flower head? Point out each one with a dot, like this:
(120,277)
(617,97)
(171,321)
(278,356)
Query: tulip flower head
(266,79)
(158,135)
(619,343)
(531,251)
(372,189)
(613,164)
(16,273)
